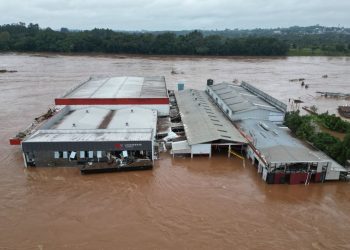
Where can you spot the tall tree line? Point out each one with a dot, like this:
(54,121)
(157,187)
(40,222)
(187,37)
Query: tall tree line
(21,37)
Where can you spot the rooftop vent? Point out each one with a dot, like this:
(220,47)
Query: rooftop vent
(126,124)
(210,82)
(87,111)
(132,111)
(73,125)
(264,126)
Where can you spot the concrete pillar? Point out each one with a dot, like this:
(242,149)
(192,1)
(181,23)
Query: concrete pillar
(25,159)
(229,150)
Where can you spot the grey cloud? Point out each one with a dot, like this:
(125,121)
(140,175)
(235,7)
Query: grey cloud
(174,14)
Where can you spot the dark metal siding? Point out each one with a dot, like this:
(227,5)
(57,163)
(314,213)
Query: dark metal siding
(85,146)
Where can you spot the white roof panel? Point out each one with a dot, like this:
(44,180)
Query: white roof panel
(121,87)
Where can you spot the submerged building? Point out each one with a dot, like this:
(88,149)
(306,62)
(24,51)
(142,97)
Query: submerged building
(92,134)
(278,156)
(205,126)
(245,101)
(111,124)
(120,92)
(111,120)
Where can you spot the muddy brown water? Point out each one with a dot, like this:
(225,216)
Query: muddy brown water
(181,203)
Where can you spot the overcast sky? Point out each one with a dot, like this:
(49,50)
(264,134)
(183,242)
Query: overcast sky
(175,14)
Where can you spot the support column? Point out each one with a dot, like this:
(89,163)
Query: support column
(25,160)
(229,150)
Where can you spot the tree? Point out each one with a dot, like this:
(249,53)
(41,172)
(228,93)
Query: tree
(4,40)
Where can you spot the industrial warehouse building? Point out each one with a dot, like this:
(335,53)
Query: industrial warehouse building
(101,120)
(245,101)
(278,156)
(92,134)
(113,121)
(205,125)
(281,158)
(120,92)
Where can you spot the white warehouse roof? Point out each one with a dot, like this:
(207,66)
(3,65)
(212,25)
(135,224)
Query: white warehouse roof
(99,124)
(121,87)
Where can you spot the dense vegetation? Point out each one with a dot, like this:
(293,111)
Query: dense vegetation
(311,40)
(19,37)
(304,128)
(334,123)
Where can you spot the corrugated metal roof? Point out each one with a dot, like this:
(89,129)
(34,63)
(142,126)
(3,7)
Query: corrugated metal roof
(203,121)
(99,117)
(278,146)
(121,87)
(239,99)
(99,124)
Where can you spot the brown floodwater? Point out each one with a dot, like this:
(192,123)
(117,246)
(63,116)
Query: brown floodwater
(182,203)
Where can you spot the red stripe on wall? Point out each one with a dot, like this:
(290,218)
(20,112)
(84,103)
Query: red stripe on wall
(111,101)
(15,141)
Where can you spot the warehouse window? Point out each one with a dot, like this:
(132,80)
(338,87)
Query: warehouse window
(57,154)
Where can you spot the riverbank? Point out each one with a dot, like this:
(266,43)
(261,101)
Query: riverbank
(316,52)
(291,53)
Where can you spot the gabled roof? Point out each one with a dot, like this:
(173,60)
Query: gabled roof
(238,99)
(203,121)
(277,145)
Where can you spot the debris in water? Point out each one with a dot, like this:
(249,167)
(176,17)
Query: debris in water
(297,80)
(7,71)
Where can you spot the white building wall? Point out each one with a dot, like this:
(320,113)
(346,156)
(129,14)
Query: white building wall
(201,149)
(332,173)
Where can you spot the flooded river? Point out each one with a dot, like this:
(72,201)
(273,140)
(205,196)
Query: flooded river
(181,203)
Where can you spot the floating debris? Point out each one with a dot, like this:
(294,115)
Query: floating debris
(7,71)
(344,111)
(333,94)
(175,72)
(297,101)
(312,110)
(297,80)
